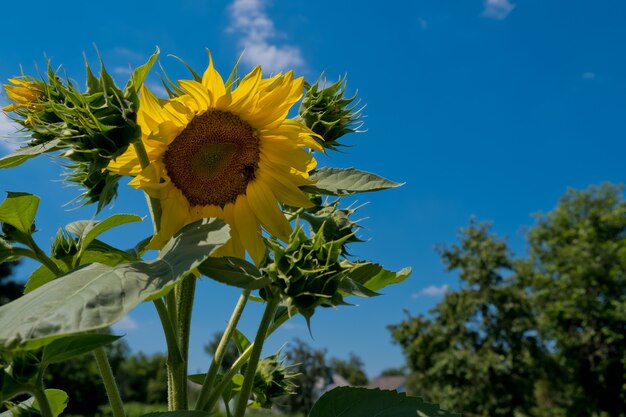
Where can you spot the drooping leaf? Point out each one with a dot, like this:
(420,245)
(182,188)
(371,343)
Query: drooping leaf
(24,154)
(374,277)
(96,296)
(88,230)
(346,181)
(66,348)
(360,402)
(234,271)
(19,210)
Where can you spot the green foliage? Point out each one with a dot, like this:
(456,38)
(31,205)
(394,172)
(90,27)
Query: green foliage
(19,210)
(69,347)
(143,378)
(346,181)
(234,271)
(90,298)
(351,369)
(537,336)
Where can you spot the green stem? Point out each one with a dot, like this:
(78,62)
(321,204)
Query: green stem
(109,382)
(184,291)
(43,258)
(255,355)
(170,333)
(209,380)
(42,399)
(241,360)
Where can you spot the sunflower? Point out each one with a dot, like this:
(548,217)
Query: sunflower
(23,92)
(227,153)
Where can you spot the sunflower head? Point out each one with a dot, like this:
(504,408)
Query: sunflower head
(224,150)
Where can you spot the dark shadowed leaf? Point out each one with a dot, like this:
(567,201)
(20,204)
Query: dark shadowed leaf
(361,402)
(65,348)
(234,271)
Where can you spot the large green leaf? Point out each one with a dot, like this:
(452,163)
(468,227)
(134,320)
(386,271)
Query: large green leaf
(96,296)
(374,277)
(19,210)
(234,271)
(24,154)
(88,230)
(363,402)
(346,181)
(66,348)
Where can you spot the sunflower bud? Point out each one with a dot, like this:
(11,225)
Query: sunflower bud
(326,112)
(91,128)
(64,245)
(272,380)
(308,272)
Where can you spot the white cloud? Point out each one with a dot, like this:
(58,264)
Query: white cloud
(497,9)
(127,324)
(158,90)
(8,130)
(431,291)
(120,70)
(588,75)
(257,31)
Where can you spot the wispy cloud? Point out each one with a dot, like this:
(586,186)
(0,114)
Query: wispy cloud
(497,9)
(431,291)
(588,75)
(8,130)
(127,324)
(423,23)
(258,37)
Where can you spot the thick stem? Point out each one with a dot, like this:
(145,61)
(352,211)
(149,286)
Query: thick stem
(40,395)
(241,360)
(255,355)
(184,291)
(109,382)
(209,380)
(171,338)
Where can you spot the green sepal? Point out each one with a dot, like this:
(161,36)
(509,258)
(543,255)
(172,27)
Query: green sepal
(25,153)
(140,73)
(374,277)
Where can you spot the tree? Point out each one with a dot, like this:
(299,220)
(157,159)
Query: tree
(351,369)
(542,335)
(314,374)
(230,356)
(143,378)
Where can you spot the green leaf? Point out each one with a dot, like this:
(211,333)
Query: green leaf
(96,296)
(106,254)
(241,341)
(374,277)
(346,181)
(68,347)
(24,154)
(140,73)
(179,413)
(234,271)
(19,210)
(58,401)
(88,230)
(197,378)
(360,402)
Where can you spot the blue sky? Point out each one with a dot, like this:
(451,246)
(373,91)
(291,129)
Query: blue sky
(484,108)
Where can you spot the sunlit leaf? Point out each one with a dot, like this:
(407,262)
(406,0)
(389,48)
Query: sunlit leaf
(374,277)
(19,210)
(88,230)
(346,181)
(234,271)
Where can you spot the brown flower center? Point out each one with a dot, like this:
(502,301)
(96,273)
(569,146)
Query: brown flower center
(213,159)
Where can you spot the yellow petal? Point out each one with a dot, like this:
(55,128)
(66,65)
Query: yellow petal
(263,203)
(248,229)
(245,95)
(213,81)
(284,190)
(198,92)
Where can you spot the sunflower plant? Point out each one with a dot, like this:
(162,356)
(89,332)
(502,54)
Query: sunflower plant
(234,194)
